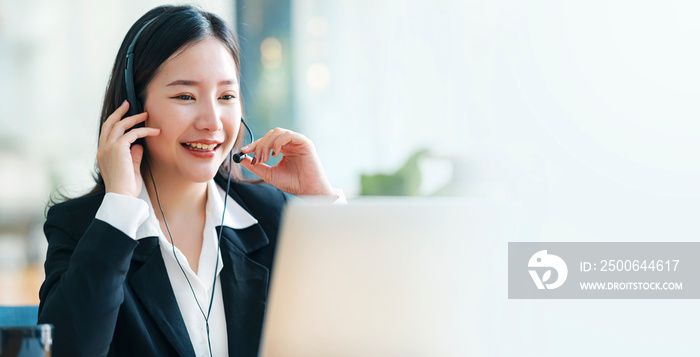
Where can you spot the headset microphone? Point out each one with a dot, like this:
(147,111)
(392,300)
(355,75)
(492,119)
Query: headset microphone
(237,158)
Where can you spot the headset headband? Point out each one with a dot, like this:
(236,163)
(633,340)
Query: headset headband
(134,105)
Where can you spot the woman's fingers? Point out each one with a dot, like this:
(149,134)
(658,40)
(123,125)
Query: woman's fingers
(123,126)
(277,141)
(286,138)
(300,171)
(119,160)
(249,148)
(263,171)
(112,119)
(139,133)
(136,157)
(262,146)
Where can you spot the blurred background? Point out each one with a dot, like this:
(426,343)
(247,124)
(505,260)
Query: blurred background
(584,113)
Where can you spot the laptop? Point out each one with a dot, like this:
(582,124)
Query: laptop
(387,277)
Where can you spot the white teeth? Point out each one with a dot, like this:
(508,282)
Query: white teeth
(201,147)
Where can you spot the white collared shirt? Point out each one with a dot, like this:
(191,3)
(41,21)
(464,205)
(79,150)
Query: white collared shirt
(141,222)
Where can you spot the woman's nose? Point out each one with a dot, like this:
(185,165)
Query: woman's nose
(209,117)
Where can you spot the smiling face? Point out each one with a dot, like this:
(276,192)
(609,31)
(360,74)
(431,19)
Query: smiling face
(194,100)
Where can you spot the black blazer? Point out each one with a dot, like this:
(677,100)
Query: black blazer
(107,294)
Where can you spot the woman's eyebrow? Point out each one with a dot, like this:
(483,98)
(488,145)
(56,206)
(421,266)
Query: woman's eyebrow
(188,82)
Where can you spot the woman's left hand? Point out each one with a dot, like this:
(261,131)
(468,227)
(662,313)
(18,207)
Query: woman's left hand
(299,172)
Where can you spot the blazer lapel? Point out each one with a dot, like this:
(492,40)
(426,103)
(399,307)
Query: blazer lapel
(244,284)
(149,280)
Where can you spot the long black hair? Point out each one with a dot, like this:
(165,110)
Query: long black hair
(170,29)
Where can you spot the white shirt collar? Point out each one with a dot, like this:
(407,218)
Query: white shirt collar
(236,217)
(188,285)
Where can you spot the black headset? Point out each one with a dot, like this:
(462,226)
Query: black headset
(134,104)
(136,108)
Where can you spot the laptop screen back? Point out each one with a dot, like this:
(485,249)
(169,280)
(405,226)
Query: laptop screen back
(386,277)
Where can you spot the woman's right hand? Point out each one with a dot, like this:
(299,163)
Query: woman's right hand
(119,162)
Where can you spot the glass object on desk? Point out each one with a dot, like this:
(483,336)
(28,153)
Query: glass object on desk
(26,341)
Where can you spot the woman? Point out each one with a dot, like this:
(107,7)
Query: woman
(166,256)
